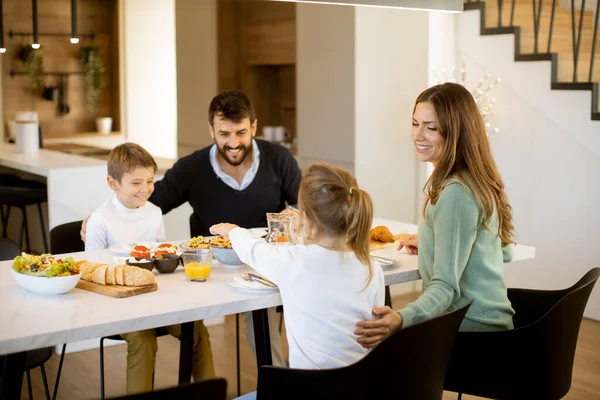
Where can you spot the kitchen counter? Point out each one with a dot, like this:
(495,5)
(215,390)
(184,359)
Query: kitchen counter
(77,185)
(43,162)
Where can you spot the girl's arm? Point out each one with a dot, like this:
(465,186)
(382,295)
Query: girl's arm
(267,259)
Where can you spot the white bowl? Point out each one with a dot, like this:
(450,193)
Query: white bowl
(43,285)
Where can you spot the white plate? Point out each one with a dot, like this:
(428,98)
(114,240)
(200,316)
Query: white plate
(266,289)
(125,249)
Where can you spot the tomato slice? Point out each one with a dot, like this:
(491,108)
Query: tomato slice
(141,248)
(166,245)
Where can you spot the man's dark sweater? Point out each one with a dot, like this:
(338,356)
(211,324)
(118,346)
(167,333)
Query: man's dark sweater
(192,179)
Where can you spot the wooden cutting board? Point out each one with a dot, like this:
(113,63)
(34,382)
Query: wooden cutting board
(116,290)
(373,245)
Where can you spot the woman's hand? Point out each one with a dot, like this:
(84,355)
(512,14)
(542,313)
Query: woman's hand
(374,331)
(411,244)
(222,229)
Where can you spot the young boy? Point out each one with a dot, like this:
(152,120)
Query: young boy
(128,217)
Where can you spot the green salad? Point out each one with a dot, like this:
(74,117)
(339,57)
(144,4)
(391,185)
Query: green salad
(44,265)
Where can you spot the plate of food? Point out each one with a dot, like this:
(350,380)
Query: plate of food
(381,237)
(45,274)
(137,247)
(196,243)
(223,251)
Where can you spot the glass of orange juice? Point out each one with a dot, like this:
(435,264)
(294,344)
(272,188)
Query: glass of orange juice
(198,264)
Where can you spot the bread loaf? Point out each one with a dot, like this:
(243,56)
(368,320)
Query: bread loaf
(104,274)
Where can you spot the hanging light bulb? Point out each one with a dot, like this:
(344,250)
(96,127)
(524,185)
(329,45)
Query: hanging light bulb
(74,39)
(36,41)
(2,48)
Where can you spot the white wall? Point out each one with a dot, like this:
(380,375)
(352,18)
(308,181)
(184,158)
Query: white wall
(325,89)
(149,74)
(359,71)
(548,151)
(391,59)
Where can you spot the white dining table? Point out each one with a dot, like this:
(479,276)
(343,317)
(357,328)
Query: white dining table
(31,321)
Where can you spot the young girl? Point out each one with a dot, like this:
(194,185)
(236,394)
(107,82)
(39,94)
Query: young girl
(328,282)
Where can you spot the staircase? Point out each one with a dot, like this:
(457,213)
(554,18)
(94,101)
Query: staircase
(546,32)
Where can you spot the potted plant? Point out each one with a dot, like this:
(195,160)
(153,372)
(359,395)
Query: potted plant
(93,65)
(34,64)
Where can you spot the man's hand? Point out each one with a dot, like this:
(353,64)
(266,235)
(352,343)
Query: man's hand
(82,231)
(222,229)
(374,331)
(411,244)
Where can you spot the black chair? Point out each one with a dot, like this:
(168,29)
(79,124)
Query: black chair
(35,358)
(533,361)
(410,363)
(210,389)
(65,238)
(20,193)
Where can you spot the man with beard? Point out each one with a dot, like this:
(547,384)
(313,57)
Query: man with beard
(237,179)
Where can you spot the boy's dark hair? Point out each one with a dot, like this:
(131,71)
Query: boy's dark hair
(126,157)
(232,106)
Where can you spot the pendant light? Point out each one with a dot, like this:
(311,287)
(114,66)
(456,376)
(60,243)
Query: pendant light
(74,39)
(426,5)
(2,48)
(36,41)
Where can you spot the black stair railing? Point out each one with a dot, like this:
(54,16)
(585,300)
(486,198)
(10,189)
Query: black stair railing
(576,28)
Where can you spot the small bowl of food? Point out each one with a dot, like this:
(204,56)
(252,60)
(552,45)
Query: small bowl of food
(195,244)
(146,263)
(45,274)
(223,251)
(166,263)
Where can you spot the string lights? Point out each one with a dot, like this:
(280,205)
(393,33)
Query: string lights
(481,92)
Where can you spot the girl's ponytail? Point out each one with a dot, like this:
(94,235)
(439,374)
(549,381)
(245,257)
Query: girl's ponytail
(358,222)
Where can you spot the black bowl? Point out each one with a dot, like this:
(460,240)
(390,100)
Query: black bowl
(168,264)
(149,265)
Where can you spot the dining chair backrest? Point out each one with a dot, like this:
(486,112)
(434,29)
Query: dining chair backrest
(410,363)
(209,389)
(534,360)
(8,249)
(65,238)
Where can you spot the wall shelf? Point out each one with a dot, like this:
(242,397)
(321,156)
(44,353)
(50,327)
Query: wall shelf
(13,73)
(24,34)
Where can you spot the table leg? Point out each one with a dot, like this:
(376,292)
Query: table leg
(388,297)
(186,350)
(262,337)
(12,376)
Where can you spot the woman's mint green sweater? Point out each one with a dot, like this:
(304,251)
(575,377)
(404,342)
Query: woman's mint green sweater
(459,261)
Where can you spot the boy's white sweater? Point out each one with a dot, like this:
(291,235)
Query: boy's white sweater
(114,223)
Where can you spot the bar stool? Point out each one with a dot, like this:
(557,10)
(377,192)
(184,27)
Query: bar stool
(20,193)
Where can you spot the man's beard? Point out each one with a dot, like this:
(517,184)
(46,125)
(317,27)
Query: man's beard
(244,151)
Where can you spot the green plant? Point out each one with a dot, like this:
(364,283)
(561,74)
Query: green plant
(94,74)
(34,64)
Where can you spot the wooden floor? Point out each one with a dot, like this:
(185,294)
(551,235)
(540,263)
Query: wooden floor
(80,375)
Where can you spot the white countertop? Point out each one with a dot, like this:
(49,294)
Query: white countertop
(31,321)
(44,161)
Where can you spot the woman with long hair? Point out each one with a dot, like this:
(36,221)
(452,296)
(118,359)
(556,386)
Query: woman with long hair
(466,231)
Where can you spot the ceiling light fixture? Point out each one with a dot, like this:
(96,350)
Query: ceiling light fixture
(36,41)
(2,48)
(74,39)
(423,5)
